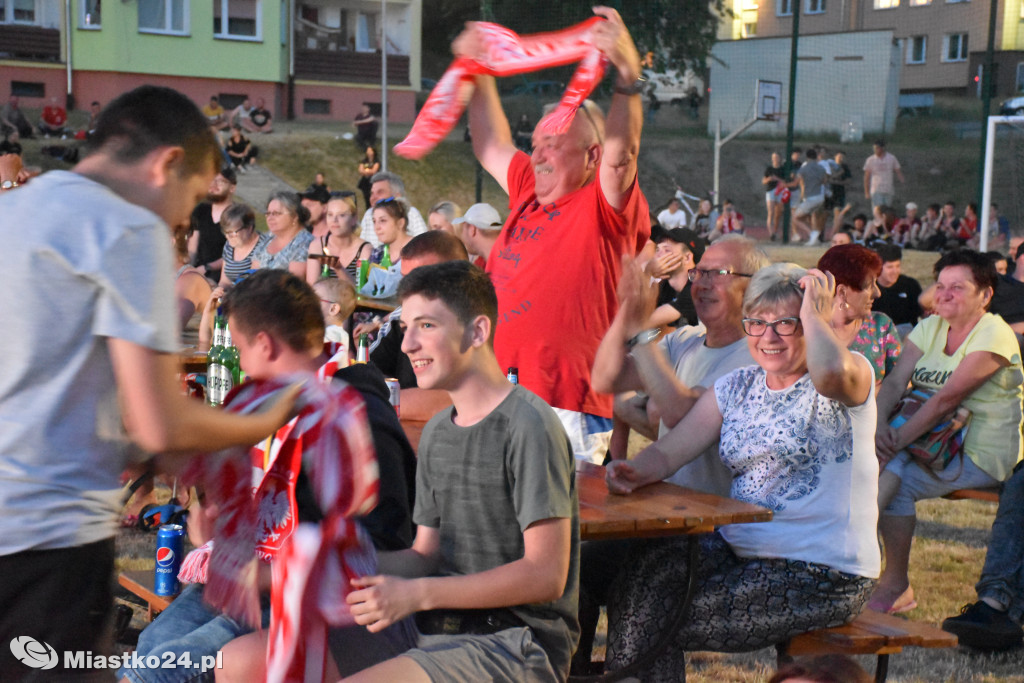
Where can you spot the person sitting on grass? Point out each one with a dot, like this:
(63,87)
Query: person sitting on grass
(277,325)
(337,302)
(488,590)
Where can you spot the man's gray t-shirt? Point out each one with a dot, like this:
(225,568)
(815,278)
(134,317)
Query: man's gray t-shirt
(814,179)
(82,265)
(481,486)
(696,365)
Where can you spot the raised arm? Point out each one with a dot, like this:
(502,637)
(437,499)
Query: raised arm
(836,372)
(625,116)
(492,137)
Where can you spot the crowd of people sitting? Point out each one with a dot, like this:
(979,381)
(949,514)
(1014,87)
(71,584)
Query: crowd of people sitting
(771,383)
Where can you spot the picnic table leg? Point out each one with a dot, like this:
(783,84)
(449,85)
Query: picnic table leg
(882,668)
(670,630)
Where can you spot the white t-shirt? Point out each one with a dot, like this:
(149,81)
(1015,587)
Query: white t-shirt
(417,226)
(669,220)
(698,366)
(811,461)
(89,267)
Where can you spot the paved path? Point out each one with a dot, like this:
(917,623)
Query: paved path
(256,184)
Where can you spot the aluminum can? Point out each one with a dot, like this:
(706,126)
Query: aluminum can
(170,547)
(396,394)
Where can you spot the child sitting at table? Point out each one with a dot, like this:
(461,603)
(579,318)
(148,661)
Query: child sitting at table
(489,588)
(337,302)
(321,465)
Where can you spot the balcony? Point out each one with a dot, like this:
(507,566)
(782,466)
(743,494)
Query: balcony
(35,43)
(349,66)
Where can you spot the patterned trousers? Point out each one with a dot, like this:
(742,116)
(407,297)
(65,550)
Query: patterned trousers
(740,604)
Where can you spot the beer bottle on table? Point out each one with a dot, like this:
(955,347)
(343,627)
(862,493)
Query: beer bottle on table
(385,261)
(221,365)
(364,272)
(513,375)
(363,348)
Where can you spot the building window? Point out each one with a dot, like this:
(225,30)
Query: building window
(311,106)
(89,14)
(163,16)
(783,8)
(887,4)
(18,11)
(917,47)
(920,3)
(814,7)
(243,19)
(952,1)
(954,47)
(750,30)
(1020,77)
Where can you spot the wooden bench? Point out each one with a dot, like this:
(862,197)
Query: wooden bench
(140,582)
(872,633)
(988,495)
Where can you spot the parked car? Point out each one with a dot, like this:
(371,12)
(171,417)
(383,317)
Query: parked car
(672,87)
(540,88)
(1013,106)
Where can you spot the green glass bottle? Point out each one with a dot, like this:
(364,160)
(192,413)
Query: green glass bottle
(364,272)
(385,261)
(222,364)
(363,349)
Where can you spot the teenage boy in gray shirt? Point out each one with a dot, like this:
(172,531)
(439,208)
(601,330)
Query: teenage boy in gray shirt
(492,578)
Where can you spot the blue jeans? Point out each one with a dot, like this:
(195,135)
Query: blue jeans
(1002,577)
(189,626)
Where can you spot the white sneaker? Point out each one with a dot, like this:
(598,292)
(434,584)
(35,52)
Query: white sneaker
(813,240)
(242,169)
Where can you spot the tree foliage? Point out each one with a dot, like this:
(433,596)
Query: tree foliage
(680,33)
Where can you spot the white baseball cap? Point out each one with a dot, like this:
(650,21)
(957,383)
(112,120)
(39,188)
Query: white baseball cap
(483,216)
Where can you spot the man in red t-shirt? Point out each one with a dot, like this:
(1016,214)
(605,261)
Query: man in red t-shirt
(53,119)
(574,210)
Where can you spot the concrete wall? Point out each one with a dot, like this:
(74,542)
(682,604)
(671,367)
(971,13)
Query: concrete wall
(839,78)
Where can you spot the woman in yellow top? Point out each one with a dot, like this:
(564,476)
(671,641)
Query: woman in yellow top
(967,357)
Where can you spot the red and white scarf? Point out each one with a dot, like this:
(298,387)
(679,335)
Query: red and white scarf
(330,441)
(508,53)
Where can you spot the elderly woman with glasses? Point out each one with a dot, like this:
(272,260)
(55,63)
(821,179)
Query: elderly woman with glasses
(238,223)
(289,243)
(797,431)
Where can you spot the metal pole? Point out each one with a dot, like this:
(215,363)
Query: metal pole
(791,114)
(986,91)
(383,85)
(718,156)
(986,182)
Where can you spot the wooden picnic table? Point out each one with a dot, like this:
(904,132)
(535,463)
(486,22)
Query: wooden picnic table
(372,303)
(660,509)
(140,582)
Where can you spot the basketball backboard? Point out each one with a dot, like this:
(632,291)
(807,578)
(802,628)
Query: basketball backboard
(769,100)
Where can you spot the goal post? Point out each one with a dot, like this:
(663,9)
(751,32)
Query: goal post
(1014,123)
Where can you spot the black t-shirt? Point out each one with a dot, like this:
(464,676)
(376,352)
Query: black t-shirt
(211,239)
(259,117)
(387,355)
(1008,300)
(899,302)
(776,174)
(682,301)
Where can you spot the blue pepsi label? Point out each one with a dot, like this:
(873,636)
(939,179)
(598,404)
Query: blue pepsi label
(169,550)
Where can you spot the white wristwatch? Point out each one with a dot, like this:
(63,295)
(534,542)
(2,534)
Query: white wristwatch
(644,337)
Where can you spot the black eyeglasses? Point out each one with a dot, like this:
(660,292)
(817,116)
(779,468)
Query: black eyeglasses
(784,327)
(712,275)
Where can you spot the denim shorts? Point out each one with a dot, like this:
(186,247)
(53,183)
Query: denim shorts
(919,483)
